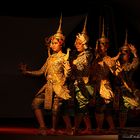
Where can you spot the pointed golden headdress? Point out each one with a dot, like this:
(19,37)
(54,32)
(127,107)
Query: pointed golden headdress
(83,35)
(84,28)
(103,29)
(125,43)
(103,38)
(59,30)
(59,34)
(125,46)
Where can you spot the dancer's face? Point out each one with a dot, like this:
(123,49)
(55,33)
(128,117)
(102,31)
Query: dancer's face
(125,56)
(56,45)
(79,46)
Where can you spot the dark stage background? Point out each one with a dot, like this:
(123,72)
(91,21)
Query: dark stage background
(22,33)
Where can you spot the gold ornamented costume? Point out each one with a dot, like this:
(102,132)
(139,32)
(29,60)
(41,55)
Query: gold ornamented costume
(124,88)
(56,70)
(80,68)
(124,72)
(82,90)
(55,73)
(102,66)
(82,64)
(54,95)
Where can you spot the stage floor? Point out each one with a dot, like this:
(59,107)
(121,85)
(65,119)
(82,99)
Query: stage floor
(35,131)
(22,133)
(26,129)
(26,133)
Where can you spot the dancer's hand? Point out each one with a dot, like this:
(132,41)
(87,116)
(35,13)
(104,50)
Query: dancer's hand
(133,49)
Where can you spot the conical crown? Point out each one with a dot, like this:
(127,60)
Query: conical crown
(125,46)
(103,29)
(103,37)
(59,30)
(59,34)
(84,28)
(83,35)
(126,35)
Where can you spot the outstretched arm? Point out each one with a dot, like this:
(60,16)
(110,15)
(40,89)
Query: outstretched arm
(23,68)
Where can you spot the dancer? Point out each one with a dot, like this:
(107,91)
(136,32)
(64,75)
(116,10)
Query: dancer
(54,93)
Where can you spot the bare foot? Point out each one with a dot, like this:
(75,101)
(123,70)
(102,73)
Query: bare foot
(86,131)
(42,130)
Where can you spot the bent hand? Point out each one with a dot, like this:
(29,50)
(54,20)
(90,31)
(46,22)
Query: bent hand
(66,65)
(133,49)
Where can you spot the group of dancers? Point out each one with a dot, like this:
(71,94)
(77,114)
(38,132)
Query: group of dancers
(77,80)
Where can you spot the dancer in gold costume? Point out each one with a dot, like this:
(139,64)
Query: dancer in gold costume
(126,97)
(54,94)
(102,66)
(80,72)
